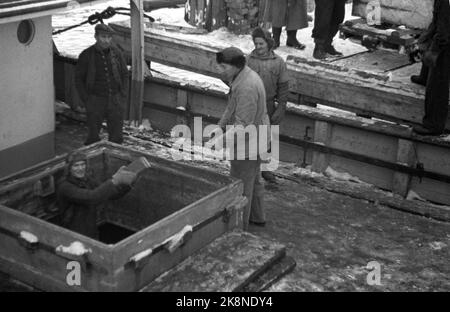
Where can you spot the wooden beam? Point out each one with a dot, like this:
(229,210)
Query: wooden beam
(138,63)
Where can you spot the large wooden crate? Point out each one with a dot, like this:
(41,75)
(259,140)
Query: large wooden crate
(410,13)
(140,230)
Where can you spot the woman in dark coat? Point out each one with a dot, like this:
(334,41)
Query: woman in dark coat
(290,13)
(79,195)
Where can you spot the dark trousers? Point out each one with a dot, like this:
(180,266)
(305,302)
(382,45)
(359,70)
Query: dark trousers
(249,172)
(328,15)
(436,95)
(99,109)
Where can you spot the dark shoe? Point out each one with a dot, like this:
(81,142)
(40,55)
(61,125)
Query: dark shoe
(269,176)
(276,33)
(425,131)
(319,52)
(332,51)
(417,79)
(257,223)
(292,40)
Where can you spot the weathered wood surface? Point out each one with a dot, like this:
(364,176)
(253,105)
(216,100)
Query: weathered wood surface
(411,13)
(360,136)
(150,5)
(373,93)
(227,264)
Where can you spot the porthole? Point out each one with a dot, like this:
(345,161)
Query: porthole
(25,32)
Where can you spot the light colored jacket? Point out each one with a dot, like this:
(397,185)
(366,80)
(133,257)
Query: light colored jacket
(246,106)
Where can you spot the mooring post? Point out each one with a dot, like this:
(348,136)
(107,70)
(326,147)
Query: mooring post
(137,61)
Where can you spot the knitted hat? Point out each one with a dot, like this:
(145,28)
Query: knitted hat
(264,34)
(232,56)
(102,28)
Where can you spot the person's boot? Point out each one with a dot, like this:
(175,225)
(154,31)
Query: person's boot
(319,51)
(268,176)
(276,33)
(421,79)
(331,50)
(292,40)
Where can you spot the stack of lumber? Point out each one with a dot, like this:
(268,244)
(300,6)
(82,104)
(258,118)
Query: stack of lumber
(410,13)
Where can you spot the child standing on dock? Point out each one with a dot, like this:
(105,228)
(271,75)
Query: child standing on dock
(273,72)
(435,73)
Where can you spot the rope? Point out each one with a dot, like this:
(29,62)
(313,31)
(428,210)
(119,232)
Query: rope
(99,17)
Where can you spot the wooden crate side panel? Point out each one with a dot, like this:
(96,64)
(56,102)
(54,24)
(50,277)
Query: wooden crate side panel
(432,190)
(135,279)
(43,261)
(165,228)
(377,176)
(364,143)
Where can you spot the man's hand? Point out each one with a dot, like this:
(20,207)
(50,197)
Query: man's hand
(430,59)
(124,177)
(278,115)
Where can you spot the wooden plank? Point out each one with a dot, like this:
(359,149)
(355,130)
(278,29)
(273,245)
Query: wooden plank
(411,13)
(322,135)
(272,275)
(138,63)
(150,5)
(214,268)
(405,155)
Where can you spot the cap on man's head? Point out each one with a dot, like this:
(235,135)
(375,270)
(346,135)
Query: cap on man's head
(102,28)
(232,56)
(76,157)
(264,34)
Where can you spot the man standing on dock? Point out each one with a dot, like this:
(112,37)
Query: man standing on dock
(329,15)
(435,73)
(246,108)
(101,79)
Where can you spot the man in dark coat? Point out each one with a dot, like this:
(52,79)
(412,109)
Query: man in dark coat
(435,73)
(79,196)
(329,15)
(101,79)
(290,13)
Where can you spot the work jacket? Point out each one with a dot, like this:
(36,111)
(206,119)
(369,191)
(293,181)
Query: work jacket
(246,107)
(79,200)
(273,72)
(85,73)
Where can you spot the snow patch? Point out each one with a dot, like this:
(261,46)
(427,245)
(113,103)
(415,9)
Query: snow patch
(343,176)
(141,255)
(76,249)
(414,196)
(29,237)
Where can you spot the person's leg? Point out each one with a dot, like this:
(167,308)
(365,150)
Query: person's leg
(436,96)
(257,212)
(94,119)
(422,77)
(115,120)
(337,17)
(321,30)
(292,40)
(245,171)
(276,33)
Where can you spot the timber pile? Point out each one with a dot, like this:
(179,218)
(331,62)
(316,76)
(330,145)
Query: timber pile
(410,13)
